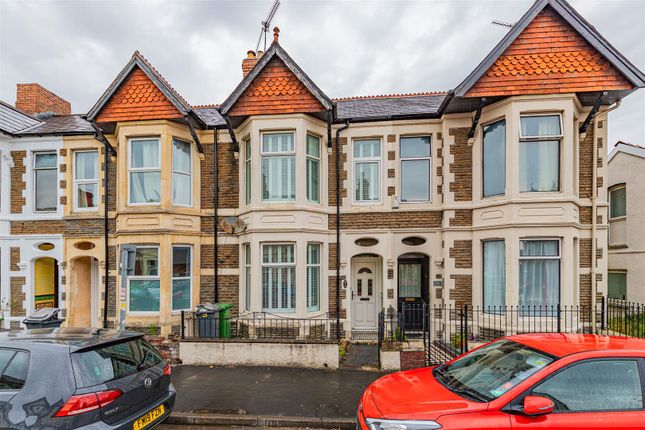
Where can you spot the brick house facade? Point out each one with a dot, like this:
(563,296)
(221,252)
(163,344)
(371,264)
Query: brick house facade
(490,194)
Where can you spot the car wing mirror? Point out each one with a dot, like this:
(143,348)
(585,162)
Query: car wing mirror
(537,405)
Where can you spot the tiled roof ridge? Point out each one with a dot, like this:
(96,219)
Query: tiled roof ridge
(391,96)
(211,105)
(161,77)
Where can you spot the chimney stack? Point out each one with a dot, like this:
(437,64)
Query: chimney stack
(248,63)
(35,99)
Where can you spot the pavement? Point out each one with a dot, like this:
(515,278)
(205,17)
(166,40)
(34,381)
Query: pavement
(267,396)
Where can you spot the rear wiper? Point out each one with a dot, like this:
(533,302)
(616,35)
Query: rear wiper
(143,360)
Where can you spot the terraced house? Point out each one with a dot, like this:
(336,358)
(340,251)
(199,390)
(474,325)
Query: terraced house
(490,194)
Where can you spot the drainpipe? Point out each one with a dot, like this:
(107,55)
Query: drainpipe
(107,149)
(215,210)
(337,160)
(594,214)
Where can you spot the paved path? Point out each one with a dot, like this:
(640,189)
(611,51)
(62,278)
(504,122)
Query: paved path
(270,391)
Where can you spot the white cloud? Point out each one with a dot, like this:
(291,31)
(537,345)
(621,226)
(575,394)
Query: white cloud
(76,48)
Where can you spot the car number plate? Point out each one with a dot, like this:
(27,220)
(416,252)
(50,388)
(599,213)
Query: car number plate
(151,416)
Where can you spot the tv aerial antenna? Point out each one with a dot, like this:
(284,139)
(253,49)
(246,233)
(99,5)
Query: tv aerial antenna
(264,29)
(504,23)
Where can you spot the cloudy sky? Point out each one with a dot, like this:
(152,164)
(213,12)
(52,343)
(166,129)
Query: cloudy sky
(76,48)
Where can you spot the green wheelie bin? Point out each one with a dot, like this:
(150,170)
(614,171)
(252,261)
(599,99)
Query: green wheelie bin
(225,319)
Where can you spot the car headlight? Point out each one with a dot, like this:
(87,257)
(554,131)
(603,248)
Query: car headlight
(378,424)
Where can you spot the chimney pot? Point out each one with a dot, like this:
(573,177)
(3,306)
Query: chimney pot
(260,54)
(276,34)
(251,53)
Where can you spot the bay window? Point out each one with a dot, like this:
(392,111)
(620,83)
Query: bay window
(313,168)
(494,158)
(45,181)
(494,268)
(144,171)
(278,278)
(144,284)
(416,168)
(539,274)
(181,173)
(278,167)
(181,277)
(313,277)
(86,180)
(247,171)
(367,170)
(540,153)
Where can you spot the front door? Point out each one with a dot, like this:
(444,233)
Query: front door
(413,290)
(364,296)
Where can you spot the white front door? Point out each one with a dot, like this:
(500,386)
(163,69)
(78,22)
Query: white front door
(364,295)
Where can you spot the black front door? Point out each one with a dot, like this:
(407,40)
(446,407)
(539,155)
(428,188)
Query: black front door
(413,290)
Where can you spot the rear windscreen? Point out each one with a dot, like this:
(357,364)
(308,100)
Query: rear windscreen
(115,361)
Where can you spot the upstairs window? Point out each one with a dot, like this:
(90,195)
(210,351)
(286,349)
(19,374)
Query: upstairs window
(247,171)
(145,171)
(494,158)
(182,177)
(367,170)
(416,166)
(618,202)
(45,181)
(618,215)
(278,167)
(278,278)
(540,153)
(313,168)
(86,180)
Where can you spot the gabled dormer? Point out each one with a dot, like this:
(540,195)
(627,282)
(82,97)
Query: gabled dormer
(274,85)
(552,49)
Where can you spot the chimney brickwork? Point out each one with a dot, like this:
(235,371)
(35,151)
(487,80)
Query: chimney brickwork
(34,99)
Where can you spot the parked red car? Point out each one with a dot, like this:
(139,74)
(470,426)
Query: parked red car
(530,381)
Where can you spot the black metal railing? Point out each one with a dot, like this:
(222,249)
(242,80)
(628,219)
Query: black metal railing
(455,330)
(408,324)
(257,326)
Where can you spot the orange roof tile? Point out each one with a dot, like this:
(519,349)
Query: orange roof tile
(549,56)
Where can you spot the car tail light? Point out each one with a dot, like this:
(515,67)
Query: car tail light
(166,370)
(81,403)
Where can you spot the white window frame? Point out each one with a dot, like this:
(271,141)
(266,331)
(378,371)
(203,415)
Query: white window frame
(143,170)
(534,114)
(247,276)
(319,160)
(503,193)
(558,137)
(319,266)
(537,257)
(35,182)
(248,177)
(179,172)
(146,278)
(78,182)
(181,278)
(610,191)
(367,160)
(292,153)
(401,160)
(295,269)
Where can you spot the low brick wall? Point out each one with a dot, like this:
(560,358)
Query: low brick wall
(412,359)
(240,353)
